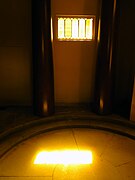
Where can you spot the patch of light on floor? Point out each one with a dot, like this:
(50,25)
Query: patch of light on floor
(65,157)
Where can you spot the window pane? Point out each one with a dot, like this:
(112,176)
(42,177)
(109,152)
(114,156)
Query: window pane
(68,28)
(89,27)
(81,28)
(74,28)
(60,28)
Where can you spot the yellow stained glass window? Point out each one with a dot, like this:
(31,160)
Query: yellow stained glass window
(75,28)
(60,28)
(68,28)
(89,25)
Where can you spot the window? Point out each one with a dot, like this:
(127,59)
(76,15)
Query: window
(75,28)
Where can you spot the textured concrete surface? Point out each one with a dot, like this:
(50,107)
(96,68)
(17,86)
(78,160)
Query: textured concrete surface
(113,156)
(22,135)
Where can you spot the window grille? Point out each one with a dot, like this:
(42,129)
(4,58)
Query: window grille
(75,28)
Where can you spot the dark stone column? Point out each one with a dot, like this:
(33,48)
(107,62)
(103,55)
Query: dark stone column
(43,80)
(106,56)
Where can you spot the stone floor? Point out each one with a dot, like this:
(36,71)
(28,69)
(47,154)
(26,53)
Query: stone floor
(111,139)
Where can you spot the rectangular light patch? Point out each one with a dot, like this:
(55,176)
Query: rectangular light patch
(64,157)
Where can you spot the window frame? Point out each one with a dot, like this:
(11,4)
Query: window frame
(78,17)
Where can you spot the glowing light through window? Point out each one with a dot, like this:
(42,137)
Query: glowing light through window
(61,27)
(64,157)
(67,31)
(75,28)
(82,28)
(89,25)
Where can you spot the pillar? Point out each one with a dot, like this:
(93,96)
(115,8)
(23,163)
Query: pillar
(105,57)
(43,80)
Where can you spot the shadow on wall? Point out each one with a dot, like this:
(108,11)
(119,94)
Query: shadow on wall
(15,53)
